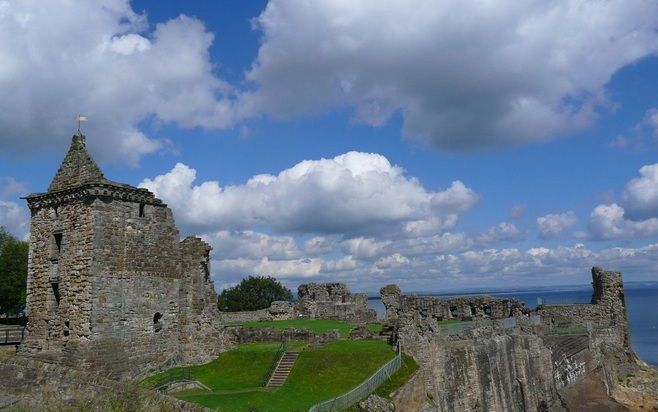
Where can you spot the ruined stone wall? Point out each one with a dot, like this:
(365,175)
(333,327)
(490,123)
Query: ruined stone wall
(136,280)
(496,372)
(316,301)
(59,285)
(278,310)
(246,316)
(491,368)
(333,301)
(202,336)
(463,308)
(607,307)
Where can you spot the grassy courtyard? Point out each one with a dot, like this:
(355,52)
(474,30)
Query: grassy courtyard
(236,377)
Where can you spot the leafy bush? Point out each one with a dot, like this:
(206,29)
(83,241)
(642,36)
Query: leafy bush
(253,293)
(13,273)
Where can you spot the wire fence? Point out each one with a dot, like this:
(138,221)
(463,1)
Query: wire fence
(363,390)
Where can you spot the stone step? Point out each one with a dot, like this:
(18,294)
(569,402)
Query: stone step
(282,369)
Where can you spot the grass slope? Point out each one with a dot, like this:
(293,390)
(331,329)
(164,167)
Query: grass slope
(243,367)
(319,374)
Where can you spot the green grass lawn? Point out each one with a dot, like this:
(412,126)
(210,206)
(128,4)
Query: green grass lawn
(319,374)
(243,367)
(319,326)
(375,327)
(399,378)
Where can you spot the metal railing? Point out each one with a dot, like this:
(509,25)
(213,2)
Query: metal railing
(179,375)
(12,335)
(275,361)
(363,390)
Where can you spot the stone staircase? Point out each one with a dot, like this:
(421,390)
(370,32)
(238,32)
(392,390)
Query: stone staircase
(282,369)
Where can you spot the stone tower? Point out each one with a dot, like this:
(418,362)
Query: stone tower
(608,294)
(110,285)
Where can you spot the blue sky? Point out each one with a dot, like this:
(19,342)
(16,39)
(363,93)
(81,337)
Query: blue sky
(543,114)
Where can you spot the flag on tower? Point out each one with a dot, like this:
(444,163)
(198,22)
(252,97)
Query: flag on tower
(81,118)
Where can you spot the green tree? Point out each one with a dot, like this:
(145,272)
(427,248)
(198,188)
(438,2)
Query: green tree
(253,293)
(13,273)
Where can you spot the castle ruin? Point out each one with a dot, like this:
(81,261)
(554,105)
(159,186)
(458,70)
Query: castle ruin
(110,285)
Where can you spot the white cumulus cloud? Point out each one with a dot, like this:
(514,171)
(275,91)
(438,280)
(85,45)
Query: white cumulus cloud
(607,222)
(503,231)
(101,58)
(463,74)
(351,193)
(640,198)
(553,225)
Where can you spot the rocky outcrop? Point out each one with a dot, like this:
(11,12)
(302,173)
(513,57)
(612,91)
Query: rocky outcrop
(520,361)
(374,403)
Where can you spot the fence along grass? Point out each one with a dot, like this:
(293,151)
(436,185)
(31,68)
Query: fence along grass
(364,389)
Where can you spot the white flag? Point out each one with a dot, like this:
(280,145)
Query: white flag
(82,118)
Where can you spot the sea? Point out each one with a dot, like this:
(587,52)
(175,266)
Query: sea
(641,303)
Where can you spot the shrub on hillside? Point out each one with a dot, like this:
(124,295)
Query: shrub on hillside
(253,293)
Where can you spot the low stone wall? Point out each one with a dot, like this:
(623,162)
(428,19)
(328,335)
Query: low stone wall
(244,334)
(245,316)
(278,310)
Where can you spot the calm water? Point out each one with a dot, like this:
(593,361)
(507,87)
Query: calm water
(641,302)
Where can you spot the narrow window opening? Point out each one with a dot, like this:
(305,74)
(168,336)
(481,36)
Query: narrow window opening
(56,292)
(58,242)
(66,328)
(56,211)
(157,325)
(56,247)
(141,210)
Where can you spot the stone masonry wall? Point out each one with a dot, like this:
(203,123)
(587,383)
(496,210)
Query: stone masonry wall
(333,301)
(511,369)
(495,372)
(110,286)
(463,308)
(59,288)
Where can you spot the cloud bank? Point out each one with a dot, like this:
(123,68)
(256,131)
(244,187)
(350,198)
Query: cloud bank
(463,75)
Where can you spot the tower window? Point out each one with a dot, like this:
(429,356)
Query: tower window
(141,210)
(56,292)
(56,246)
(157,326)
